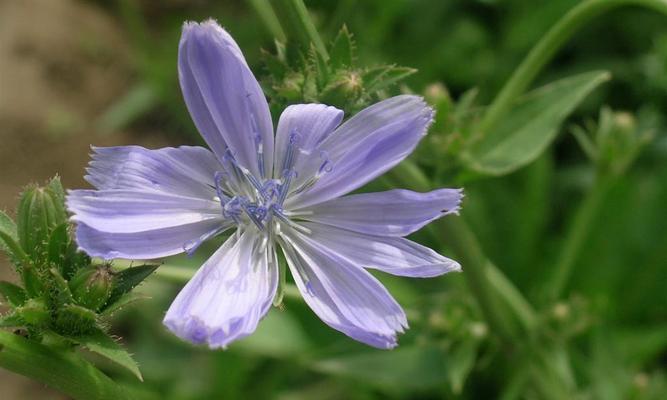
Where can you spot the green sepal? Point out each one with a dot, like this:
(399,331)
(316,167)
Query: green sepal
(74,320)
(34,312)
(100,343)
(342,51)
(15,295)
(9,241)
(124,300)
(126,280)
(59,289)
(32,281)
(59,247)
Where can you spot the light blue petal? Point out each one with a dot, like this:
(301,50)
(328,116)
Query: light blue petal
(394,255)
(344,296)
(144,245)
(228,296)
(223,96)
(395,212)
(369,144)
(312,123)
(185,170)
(134,210)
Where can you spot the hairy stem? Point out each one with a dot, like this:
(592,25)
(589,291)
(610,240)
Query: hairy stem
(61,369)
(547,47)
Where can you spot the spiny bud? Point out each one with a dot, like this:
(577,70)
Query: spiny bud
(41,210)
(92,286)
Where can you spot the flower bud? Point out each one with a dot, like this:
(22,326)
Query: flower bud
(91,286)
(41,210)
(619,140)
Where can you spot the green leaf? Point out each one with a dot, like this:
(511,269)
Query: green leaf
(122,302)
(404,368)
(126,280)
(342,49)
(380,78)
(9,241)
(100,343)
(531,126)
(15,295)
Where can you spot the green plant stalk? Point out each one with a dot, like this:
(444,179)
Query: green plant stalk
(577,234)
(475,270)
(547,47)
(63,370)
(268,17)
(299,26)
(505,309)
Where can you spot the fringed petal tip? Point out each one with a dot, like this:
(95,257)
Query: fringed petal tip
(458,200)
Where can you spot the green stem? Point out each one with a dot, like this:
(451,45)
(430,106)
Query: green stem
(547,47)
(299,26)
(504,308)
(63,370)
(268,17)
(577,235)
(475,270)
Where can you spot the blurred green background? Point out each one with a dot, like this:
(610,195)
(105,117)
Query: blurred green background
(76,73)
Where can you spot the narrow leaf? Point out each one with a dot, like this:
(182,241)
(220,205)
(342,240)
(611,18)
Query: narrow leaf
(120,303)
(127,279)
(531,126)
(9,241)
(15,295)
(100,343)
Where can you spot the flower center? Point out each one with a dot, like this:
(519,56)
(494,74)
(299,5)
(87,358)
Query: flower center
(248,200)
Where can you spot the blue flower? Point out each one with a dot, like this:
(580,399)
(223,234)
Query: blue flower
(275,192)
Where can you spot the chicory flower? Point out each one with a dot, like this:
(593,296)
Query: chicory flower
(283,191)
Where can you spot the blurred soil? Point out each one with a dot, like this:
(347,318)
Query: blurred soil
(62,62)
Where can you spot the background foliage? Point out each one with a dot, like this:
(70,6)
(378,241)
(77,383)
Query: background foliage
(606,330)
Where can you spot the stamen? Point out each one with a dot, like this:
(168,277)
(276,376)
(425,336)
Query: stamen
(259,146)
(325,167)
(292,147)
